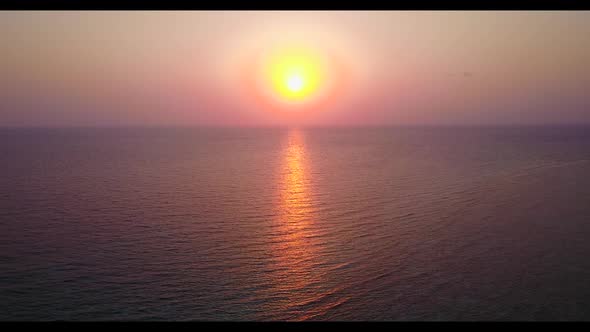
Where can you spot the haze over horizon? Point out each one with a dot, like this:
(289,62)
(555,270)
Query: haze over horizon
(488,68)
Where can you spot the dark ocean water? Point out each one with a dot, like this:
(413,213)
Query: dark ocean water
(295,224)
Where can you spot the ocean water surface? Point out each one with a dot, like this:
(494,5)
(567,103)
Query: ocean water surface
(295,224)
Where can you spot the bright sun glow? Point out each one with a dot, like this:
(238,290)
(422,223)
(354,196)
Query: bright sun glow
(295,75)
(295,82)
(293,79)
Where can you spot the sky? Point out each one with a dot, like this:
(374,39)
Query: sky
(199,68)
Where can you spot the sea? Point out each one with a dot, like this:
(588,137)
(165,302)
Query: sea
(267,224)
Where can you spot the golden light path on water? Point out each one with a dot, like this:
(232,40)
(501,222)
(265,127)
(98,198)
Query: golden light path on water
(299,286)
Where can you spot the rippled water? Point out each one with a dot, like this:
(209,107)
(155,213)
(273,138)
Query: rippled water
(295,224)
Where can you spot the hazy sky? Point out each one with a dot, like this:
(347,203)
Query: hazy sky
(187,68)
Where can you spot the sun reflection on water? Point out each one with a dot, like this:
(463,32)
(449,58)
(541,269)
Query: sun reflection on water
(295,280)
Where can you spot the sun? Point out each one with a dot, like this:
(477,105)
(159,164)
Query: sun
(297,80)
(295,75)
(295,83)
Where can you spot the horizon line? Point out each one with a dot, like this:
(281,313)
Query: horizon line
(309,126)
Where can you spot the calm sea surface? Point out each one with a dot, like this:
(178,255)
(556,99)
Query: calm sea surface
(295,224)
